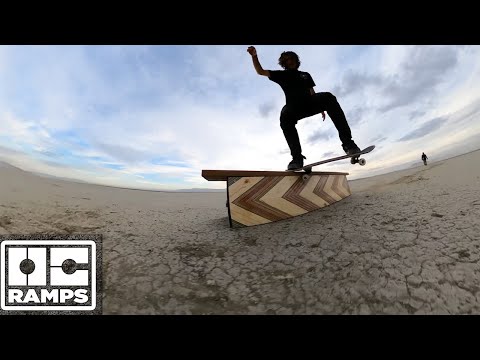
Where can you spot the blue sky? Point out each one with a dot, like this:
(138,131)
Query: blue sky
(153,117)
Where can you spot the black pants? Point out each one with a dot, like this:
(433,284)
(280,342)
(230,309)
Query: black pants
(323,101)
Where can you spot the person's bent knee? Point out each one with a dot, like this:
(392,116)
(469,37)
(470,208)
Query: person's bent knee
(286,119)
(286,123)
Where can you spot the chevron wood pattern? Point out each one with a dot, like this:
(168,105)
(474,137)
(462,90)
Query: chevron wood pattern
(255,200)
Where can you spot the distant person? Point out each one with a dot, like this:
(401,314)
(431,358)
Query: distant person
(424,158)
(301,101)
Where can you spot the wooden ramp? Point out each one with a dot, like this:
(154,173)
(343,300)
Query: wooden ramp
(260,197)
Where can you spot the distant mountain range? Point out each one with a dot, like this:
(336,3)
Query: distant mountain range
(199,190)
(86,182)
(7,165)
(58,177)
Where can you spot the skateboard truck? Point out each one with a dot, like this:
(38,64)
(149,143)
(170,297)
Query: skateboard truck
(356,160)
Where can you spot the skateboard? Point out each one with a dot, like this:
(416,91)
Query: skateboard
(354,159)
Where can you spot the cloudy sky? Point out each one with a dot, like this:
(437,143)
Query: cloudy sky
(154,116)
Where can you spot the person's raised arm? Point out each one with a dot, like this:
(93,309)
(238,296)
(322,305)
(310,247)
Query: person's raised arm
(256,64)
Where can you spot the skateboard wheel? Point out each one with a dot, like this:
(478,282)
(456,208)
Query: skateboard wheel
(308,170)
(362,162)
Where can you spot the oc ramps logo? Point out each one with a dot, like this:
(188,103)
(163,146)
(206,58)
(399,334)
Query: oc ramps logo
(49,275)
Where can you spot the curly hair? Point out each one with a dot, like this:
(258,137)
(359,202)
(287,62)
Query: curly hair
(286,54)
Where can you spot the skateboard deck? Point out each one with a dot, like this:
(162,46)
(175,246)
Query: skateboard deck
(355,158)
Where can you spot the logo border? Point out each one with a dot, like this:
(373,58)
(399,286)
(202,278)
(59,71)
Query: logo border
(93,292)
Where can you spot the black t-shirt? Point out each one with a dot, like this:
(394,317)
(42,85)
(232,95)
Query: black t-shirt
(295,84)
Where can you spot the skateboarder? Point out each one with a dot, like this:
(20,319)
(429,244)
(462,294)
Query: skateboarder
(424,158)
(301,101)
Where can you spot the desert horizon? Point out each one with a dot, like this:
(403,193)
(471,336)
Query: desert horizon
(406,166)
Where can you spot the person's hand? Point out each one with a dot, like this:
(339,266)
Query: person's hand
(252,51)
(323,115)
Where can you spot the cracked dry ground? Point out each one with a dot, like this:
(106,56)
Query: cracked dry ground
(409,247)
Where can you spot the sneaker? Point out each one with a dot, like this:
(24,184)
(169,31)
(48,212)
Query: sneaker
(351,149)
(296,163)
